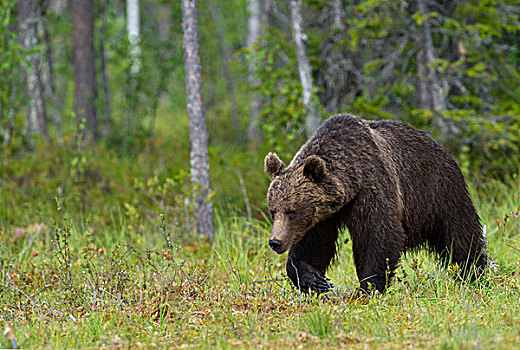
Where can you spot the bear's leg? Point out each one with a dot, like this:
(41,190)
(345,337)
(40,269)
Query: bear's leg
(458,246)
(311,256)
(377,249)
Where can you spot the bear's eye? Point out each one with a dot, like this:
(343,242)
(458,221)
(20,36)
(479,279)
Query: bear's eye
(291,214)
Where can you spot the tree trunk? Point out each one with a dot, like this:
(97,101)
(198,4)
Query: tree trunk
(36,120)
(254,134)
(199,159)
(85,92)
(313,119)
(339,14)
(56,110)
(438,102)
(132,26)
(10,121)
(424,94)
(104,79)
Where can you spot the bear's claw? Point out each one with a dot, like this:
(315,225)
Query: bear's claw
(306,277)
(321,285)
(316,281)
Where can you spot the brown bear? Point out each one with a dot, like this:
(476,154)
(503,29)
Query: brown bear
(390,184)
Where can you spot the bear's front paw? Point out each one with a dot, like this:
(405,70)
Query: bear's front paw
(319,283)
(306,277)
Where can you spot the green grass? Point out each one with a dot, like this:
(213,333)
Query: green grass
(95,274)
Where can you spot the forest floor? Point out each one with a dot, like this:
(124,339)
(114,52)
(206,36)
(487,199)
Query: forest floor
(88,261)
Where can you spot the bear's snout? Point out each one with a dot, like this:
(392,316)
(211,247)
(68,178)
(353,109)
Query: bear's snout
(275,244)
(278,246)
(280,239)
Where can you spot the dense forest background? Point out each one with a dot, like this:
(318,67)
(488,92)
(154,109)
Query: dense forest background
(96,179)
(448,67)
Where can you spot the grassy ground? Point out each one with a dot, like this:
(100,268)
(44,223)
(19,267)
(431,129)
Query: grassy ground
(99,267)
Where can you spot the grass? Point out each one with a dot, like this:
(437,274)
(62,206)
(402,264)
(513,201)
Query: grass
(102,268)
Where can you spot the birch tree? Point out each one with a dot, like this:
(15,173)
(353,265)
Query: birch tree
(313,120)
(49,76)
(253,131)
(36,119)
(259,13)
(430,91)
(339,13)
(85,90)
(199,159)
(132,27)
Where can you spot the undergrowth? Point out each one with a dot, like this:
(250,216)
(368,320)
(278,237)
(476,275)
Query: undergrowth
(122,268)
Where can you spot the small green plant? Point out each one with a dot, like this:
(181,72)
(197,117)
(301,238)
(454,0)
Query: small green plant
(511,219)
(319,324)
(62,234)
(170,197)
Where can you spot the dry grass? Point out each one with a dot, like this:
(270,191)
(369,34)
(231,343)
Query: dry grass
(186,292)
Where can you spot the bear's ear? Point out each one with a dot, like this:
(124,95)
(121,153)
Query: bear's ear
(273,165)
(314,168)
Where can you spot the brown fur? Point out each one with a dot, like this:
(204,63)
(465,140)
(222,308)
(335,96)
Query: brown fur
(389,183)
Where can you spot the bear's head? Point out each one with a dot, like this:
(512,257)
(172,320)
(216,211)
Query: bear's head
(300,196)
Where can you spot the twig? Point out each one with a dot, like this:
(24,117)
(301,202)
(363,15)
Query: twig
(502,225)
(162,230)
(95,292)
(115,266)
(515,248)
(114,296)
(41,290)
(30,240)
(269,280)
(298,280)
(140,289)
(24,294)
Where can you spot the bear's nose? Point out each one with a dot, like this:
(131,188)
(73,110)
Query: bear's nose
(275,243)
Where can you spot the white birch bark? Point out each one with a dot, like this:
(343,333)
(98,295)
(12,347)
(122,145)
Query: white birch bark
(49,76)
(339,12)
(199,159)
(253,131)
(36,119)
(313,119)
(133,29)
(253,6)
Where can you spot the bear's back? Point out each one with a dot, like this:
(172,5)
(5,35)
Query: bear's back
(432,184)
